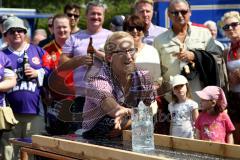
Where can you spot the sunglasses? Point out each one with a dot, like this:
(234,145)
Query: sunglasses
(50,25)
(130,51)
(176,13)
(131,28)
(233,26)
(75,15)
(14,30)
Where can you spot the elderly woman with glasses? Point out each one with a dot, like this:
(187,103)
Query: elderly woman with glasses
(231,25)
(116,88)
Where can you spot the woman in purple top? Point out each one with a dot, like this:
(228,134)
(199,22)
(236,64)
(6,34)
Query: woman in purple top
(7,79)
(115,89)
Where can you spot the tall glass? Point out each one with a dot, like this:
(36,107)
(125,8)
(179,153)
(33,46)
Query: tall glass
(142,129)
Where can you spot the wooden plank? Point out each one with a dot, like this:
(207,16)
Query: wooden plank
(90,151)
(220,149)
(15,141)
(43,154)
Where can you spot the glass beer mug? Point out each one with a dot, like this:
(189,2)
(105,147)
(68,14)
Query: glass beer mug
(142,128)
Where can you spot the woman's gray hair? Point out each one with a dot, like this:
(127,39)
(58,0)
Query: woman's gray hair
(210,23)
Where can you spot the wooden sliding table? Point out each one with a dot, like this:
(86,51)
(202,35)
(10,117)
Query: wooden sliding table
(73,147)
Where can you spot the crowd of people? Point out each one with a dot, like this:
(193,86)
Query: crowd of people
(65,89)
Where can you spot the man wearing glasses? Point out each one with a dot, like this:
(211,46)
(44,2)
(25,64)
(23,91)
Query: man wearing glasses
(114,90)
(72,10)
(176,46)
(144,8)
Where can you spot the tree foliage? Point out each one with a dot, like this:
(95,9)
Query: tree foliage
(115,7)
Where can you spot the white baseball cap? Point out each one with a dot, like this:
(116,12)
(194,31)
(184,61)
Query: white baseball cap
(178,80)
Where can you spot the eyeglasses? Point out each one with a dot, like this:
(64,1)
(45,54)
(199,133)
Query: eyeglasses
(50,25)
(138,28)
(233,26)
(176,13)
(14,30)
(130,51)
(75,15)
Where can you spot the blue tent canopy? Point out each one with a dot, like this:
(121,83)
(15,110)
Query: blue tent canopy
(23,13)
(31,15)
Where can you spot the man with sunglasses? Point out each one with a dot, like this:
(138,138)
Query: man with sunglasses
(144,8)
(72,10)
(176,46)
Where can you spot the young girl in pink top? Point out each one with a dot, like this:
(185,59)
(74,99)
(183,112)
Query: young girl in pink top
(213,124)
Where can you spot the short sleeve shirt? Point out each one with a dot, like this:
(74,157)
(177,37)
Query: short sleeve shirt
(25,98)
(182,112)
(181,118)
(214,128)
(77,44)
(103,85)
